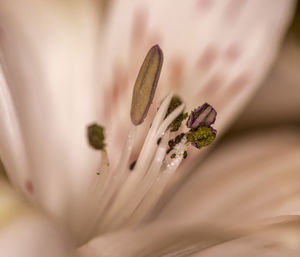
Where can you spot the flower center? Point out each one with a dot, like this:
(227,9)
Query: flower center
(131,192)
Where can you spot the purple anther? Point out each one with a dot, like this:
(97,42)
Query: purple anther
(204,115)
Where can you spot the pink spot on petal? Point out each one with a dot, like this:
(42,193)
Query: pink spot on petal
(232,53)
(212,86)
(120,83)
(176,68)
(139,26)
(29,187)
(115,92)
(238,84)
(234,9)
(107,106)
(204,5)
(207,59)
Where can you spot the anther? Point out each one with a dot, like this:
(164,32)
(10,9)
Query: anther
(204,115)
(202,136)
(96,136)
(175,102)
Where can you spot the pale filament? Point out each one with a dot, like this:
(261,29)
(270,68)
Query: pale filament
(132,195)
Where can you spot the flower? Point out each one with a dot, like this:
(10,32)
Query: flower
(67,68)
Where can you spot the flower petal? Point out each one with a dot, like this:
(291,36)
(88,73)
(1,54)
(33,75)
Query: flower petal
(34,236)
(25,232)
(273,243)
(252,178)
(211,51)
(49,57)
(186,238)
(278,101)
(12,148)
(211,48)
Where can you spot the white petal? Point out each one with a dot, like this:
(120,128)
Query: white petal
(25,232)
(214,51)
(34,236)
(251,178)
(11,141)
(185,238)
(275,242)
(211,48)
(48,54)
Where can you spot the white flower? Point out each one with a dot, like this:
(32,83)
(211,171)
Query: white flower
(68,64)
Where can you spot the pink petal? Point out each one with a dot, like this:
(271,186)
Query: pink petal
(48,57)
(34,236)
(211,48)
(26,232)
(185,239)
(214,51)
(251,178)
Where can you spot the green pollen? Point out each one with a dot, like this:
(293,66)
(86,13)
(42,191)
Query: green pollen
(175,125)
(96,136)
(175,102)
(201,137)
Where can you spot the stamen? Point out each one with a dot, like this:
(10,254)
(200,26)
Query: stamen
(147,181)
(204,115)
(166,123)
(147,151)
(201,137)
(157,189)
(175,102)
(131,192)
(145,85)
(158,128)
(96,136)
